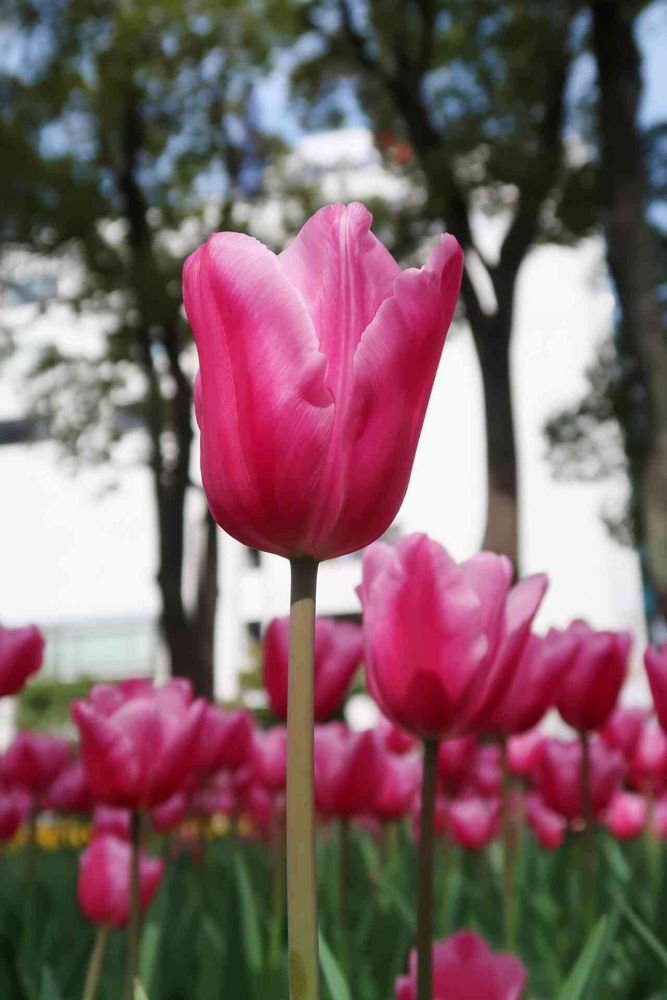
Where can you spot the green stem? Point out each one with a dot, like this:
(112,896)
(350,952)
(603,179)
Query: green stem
(95,963)
(425,872)
(588,836)
(509,854)
(301,870)
(134,924)
(277,892)
(343,881)
(31,854)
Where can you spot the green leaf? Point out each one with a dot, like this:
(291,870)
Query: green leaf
(49,989)
(252,941)
(645,933)
(332,972)
(139,991)
(575,986)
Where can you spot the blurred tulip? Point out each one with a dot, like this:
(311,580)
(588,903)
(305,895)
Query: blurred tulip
(533,686)
(338,649)
(218,795)
(659,817)
(485,772)
(622,729)
(625,816)
(395,740)
(103,887)
(269,755)
(14,809)
(316,367)
(524,752)
(655,661)
(548,826)
(70,793)
(397,786)
(474,822)
(558,776)
(21,656)
(593,677)
(441,638)
(225,740)
(465,968)
(111,820)
(138,747)
(170,813)
(348,771)
(34,760)
(648,763)
(455,759)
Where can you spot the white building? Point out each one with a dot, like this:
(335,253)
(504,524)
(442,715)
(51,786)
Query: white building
(80,558)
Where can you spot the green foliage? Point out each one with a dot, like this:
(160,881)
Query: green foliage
(45,704)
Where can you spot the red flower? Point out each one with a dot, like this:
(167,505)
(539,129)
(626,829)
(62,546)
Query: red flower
(103,887)
(465,968)
(21,655)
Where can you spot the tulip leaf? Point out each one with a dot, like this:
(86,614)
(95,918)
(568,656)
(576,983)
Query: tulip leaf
(332,972)
(576,984)
(49,989)
(645,933)
(252,941)
(139,991)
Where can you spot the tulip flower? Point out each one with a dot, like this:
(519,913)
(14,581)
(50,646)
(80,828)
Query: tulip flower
(70,793)
(454,760)
(269,757)
(559,781)
(465,967)
(548,826)
(21,656)
(648,764)
(14,809)
(138,748)
(225,740)
(397,787)
(395,740)
(103,887)
(107,819)
(348,771)
(524,752)
(626,815)
(622,729)
(655,661)
(171,813)
(34,760)
(474,822)
(484,775)
(338,649)
(593,677)
(659,817)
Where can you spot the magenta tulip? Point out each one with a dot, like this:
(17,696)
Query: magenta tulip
(138,747)
(70,793)
(34,760)
(648,763)
(659,817)
(558,776)
(225,740)
(474,822)
(397,787)
(348,771)
(626,815)
(269,757)
(465,968)
(14,808)
(441,639)
(594,676)
(622,729)
(316,367)
(485,772)
(170,814)
(455,759)
(21,656)
(395,740)
(111,820)
(338,649)
(655,661)
(103,887)
(548,826)
(524,752)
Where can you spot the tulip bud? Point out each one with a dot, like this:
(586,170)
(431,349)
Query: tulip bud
(103,887)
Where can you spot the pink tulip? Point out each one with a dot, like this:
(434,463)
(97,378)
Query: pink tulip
(338,649)
(622,729)
(455,759)
(441,638)
(465,968)
(474,822)
(103,887)
(70,793)
(21,656)
(395,740)
(659,817)
(218,796)
(225,740)
(14,808)
(397,786)
(138,746)
(348,771)
(534,684)
(648,763)
(625,816)
(269,757)
(111,820)
(34,760)
(485,774)
(548,826)
(316,367)
(655,661)
(558,777)
(524,752)
(170,814)
(594,675)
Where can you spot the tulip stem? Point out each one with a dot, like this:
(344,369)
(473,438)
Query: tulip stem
(301,869)
(588,841)
(343,879)
(509,853)
(134,924)
(425,872)
(95,963)
(31,853)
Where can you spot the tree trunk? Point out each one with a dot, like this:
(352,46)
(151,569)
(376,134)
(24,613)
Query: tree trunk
(632,260)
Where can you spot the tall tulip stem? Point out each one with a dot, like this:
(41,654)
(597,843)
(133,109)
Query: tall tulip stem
(509,853)
(301,871)
(425,872)
(343,880)
(95,963)
(134,925)
(588,842)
